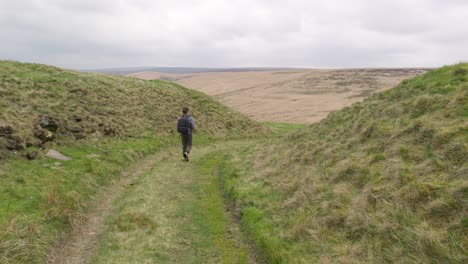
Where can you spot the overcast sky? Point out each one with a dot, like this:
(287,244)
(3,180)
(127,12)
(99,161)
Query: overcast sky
(84,34)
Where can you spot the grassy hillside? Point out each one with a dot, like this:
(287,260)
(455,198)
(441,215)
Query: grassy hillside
(384,180)
(104,123)
(92,106)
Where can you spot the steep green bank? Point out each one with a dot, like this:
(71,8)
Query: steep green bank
(381,181)
(92,106)
(103,123)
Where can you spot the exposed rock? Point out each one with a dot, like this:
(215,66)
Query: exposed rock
(48,123)
(33,142)
(15,143)
(79,136)
(108,131)
(76,129)
(6,130)
(56,155)
(78,132)
(43,135)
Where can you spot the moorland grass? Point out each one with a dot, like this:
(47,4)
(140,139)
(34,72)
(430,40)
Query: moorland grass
(92,106)
(283,128)
(42,199)
(381,181)
(103,123)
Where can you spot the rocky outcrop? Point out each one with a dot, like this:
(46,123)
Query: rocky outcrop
(48,123)
(43,135)
(11,141)
(6,130)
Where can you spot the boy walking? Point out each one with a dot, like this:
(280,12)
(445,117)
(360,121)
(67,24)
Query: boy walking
(185,126)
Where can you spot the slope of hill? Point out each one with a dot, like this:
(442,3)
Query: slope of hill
(104,123)
(178,70)
(381,181)
(92,106)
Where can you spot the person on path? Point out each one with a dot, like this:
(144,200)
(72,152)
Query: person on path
(185,127)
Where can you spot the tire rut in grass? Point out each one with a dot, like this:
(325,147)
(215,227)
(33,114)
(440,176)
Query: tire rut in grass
(82,244)
(174,214)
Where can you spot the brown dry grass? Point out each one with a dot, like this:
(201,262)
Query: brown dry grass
(292,96)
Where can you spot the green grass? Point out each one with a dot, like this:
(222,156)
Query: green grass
(104,123)
(44,198)
(209,213)
(245,197)
(93,106)
(283,128)
(184,204)
(380,181)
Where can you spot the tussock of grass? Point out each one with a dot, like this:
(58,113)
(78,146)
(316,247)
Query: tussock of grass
(384,180)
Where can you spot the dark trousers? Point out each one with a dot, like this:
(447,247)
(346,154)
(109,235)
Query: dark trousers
(186,142)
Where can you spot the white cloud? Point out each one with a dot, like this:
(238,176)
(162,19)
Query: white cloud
(214,33)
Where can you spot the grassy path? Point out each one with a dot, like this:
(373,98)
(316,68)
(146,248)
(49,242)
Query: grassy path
(85,238)
(174,213)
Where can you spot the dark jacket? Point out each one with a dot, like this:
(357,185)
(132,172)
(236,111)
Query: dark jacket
(191,120)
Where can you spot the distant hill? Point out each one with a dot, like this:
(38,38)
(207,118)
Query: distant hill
(382,181)
(40,103)
(179,70)
(292,96)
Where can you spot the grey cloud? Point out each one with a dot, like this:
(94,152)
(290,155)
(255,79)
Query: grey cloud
(213,33)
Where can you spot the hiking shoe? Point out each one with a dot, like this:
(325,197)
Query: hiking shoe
(186,156)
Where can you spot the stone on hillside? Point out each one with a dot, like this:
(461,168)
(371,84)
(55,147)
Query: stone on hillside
(15,143)
(6,130)
(48,123)
(108,131)
(78,132)
(33,142)
(53,154)
(44,135)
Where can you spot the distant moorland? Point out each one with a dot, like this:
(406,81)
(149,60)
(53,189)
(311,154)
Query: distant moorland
(294,95)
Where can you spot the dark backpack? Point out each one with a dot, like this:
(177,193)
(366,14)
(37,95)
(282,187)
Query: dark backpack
(183,125)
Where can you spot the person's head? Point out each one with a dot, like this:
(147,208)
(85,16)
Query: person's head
(185,109)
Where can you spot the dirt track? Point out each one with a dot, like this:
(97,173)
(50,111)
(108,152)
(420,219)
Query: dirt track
(293,96)
(181,206)
(84,242)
